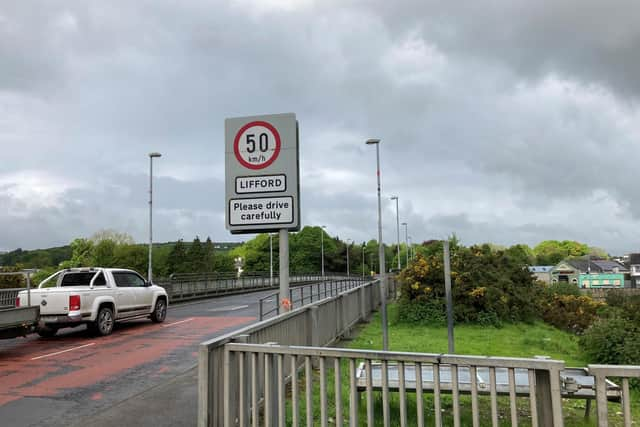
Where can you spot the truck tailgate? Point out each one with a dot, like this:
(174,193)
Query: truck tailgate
(51,301)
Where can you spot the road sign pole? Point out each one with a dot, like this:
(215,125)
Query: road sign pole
(284,268)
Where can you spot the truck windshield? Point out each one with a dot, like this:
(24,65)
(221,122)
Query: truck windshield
(82,279)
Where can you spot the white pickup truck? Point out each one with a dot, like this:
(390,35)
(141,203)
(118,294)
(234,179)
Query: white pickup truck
(97,297)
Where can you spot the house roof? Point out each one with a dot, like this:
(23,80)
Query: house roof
(596,266)
(540,268)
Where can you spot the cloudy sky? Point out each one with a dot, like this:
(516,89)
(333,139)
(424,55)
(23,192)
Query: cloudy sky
(504,121)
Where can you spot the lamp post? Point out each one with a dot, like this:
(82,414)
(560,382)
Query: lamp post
(270,259)
(151,157)
(363,245)
(406,240)
(397,228)
(322,227)
(383,278)
(348,240)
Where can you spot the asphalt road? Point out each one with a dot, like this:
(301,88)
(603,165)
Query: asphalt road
(143,374)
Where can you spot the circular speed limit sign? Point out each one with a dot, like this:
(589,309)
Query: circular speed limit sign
(257,145)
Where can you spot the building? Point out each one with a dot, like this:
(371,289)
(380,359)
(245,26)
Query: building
(588,273)
(542,273)
(634,268)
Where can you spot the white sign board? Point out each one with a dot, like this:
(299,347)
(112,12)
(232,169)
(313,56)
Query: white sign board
(262,173)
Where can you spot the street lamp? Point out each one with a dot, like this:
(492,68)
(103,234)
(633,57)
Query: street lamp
(322,227)
(363,245)
(397,228)
(383,282)
(406,240)
(151,157)
(348,240)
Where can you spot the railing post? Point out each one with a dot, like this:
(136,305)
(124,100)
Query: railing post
(544,398)
(601,399)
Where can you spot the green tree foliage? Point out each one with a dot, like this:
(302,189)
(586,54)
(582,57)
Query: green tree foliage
(177,259)
(551,252)
(11,281)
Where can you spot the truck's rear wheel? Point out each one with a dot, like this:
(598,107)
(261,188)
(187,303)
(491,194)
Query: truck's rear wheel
(46,331)
(160,311)
(104,321)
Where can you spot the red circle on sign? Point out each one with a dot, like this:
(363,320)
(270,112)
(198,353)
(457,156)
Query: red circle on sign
(267,162)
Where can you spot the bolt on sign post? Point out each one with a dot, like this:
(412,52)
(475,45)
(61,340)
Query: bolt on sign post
(263,181)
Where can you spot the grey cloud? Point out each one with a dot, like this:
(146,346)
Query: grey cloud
(105,83)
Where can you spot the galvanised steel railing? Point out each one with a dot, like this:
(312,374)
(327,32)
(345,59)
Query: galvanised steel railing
(601,373)
(319,324)
(184,287)
(8,297)
(261,381)
(306,294)
(187,287)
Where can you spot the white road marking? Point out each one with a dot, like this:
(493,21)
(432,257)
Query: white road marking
(233,308)
(63,351)
(177,323)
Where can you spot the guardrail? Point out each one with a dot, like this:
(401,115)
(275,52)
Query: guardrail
(601,372)
(318,324)
(306,294)
(274,377)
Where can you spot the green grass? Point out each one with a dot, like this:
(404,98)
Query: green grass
(511,340)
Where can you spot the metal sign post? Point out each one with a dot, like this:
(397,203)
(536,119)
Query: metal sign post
(263,181)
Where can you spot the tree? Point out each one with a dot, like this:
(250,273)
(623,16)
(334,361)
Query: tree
(177,259)
(82,254)
(208,257)
(551,252)
(195,257)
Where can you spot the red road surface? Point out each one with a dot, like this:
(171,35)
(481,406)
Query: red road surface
(49,367)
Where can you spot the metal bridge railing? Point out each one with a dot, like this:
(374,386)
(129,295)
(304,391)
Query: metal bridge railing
(186,287)
(282,385)
(601,373)
(307,294)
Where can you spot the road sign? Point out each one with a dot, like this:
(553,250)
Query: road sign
(262,173)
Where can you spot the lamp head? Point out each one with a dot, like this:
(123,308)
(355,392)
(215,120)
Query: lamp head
(394,198)
(373,141)
(155,154)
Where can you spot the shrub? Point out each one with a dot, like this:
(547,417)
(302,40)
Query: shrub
(571,313)
(614,340)
(428,312)
(488,286)
(564,288)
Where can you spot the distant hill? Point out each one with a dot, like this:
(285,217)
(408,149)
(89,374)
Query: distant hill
(37,258)
(52,257)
